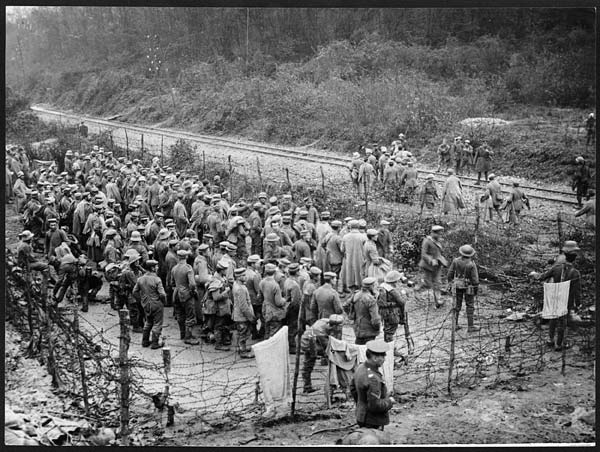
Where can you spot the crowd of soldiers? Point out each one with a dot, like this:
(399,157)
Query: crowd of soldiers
(393,167)
(164,238)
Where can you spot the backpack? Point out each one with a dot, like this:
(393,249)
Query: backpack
(350,308)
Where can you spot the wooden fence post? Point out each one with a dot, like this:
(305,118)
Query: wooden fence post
(560,229)
(322,180)
(230,177)
(259,173)
(166,355)
(142,147)
(126,143)
(84,388)
(452,342)
(203,164)
(124,340)
(162,160)
(287,176)
(112,143)
(366,198)
(298,345)
(476,223)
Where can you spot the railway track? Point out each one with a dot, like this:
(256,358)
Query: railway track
(313,156)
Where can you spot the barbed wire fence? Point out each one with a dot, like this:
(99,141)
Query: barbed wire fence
(221,390)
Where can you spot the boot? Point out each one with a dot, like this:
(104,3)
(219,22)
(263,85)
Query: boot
(226,337)
(246,353)
(308,387)
(472,328)
(219,341)
(189,337)
(154,345)
(458,327)
(146,339)
(182,330)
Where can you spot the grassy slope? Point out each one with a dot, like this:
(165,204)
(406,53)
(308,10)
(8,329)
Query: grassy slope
(338,114)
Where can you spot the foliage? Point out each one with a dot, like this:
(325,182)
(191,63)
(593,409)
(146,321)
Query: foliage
(181,155)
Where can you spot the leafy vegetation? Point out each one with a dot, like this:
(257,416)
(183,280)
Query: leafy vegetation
(337,77)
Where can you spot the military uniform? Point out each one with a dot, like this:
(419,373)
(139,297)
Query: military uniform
(324,302)
(463,273)
(274,308)
(371,396)
(151,293)
(243,316)
(367,320)
(182,276)
(391,306)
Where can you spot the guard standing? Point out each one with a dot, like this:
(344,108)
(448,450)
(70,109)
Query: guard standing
(464,278)
(369,390)
(151,293)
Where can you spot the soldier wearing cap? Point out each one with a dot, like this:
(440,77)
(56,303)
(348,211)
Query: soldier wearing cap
(229,257)
(364,312)
(243,313)
(429,194)
(154,193)
(150,292)
(312,212)
(54,237)
(332,244)
(184,297)
(202,270)
(135,242)
(256,227)
(180,216)
(408,181)
(464,279)
(274,307)
(272,248)
(373,261)
(452,196)
(444,155)
(219,306)
(384,243)
(253,285)
(130,273)
(492,198)
(369,389)
(514,203)
(292,294)
(67,277)
(111,252)
(353,263)
(83,130)
(564,270)
(302,223)
(303,246)
(171,261)
(483,161)
(581,179)
(314,336)
(93,229)
(432,261)
(325,301)
(25,256)
(19,189)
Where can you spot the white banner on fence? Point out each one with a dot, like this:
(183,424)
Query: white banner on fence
(272,360)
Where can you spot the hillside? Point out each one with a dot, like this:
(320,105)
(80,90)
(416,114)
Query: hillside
(336,87)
